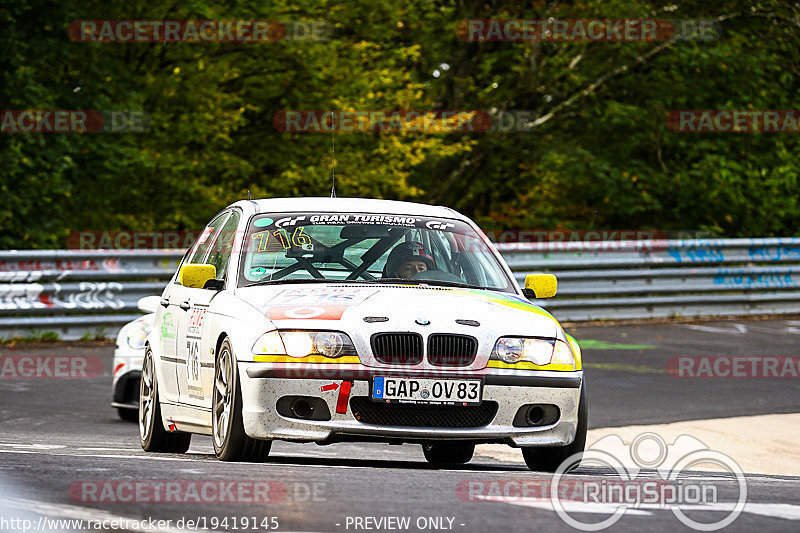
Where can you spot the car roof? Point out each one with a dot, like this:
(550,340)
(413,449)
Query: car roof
(348,205)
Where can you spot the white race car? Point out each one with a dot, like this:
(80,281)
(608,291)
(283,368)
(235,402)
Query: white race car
(332,319)
(128,356)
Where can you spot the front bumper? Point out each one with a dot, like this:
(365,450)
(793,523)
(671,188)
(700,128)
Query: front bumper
(263,384)
(127,369)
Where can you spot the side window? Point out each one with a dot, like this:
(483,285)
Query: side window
(221,251)
(440,248)
(183,261)
(206,238)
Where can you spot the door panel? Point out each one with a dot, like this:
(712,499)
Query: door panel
(196,372)
(165,332)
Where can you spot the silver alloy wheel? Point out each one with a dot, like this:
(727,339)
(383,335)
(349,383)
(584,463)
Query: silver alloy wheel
(146,396)
(222,397)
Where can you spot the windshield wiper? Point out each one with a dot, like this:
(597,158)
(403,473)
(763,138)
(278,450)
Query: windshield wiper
(443,283)
(284,281)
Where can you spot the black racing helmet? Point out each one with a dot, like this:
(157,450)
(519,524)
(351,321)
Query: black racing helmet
(406,251)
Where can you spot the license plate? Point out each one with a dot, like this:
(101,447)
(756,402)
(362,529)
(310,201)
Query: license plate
(429,391)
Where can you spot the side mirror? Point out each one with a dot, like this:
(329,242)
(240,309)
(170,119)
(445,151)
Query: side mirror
(195,275)
(540,286)
(149,304)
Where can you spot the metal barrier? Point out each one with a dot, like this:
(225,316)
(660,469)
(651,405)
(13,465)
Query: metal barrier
(76,293)
(88,293)
(651,279)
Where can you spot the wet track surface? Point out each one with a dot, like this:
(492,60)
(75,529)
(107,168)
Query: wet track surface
(58,433)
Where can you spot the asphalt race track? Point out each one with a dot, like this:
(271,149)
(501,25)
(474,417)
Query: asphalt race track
(59,436)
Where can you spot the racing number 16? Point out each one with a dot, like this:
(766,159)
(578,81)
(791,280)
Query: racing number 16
(192,361)
(299,238)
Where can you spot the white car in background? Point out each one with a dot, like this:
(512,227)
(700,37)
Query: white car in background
(334,319)
(128,357)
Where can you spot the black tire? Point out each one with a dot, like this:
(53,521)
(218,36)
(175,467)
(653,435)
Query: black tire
(127,414)
(231,443)
(549,459)
(152,435)
(448,452)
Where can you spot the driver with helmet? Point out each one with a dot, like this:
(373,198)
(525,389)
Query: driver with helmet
(408,259)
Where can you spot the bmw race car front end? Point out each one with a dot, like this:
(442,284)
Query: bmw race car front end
(412,385)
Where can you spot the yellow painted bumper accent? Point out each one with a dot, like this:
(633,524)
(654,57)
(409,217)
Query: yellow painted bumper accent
(307,359)
(526,365)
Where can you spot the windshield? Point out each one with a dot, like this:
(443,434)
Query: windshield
(368,248)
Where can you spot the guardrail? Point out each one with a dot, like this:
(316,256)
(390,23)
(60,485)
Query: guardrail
(652,279)
(89,293)
(78,293)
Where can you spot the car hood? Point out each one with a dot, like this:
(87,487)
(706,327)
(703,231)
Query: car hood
(379,308)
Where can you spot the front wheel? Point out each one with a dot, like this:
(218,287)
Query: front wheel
(152,435)
(231,443)
(549,459)
(448,452)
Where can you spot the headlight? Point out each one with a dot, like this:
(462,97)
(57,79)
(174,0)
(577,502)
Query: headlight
(269,343)
(562,355)
(537,351)
(136,334)
(296,343)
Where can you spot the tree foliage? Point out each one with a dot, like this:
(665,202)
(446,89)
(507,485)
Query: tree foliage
(599,156)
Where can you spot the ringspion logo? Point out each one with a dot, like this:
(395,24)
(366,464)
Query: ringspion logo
(672,489)
(639,476)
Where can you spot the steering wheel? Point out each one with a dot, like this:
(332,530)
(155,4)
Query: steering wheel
(436,275)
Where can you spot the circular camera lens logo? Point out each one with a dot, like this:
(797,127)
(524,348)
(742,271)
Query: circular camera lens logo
(665,485)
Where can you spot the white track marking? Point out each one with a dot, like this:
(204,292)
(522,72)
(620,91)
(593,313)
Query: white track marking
(569,506)
(206,459)
(19,451)
(33,446)
(108,449)
(778,510)
(772,510)
(738,329)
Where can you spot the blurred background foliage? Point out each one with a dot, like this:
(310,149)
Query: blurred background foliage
(604,159)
